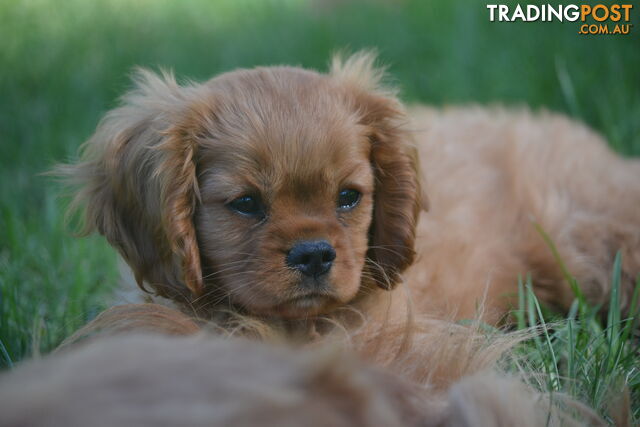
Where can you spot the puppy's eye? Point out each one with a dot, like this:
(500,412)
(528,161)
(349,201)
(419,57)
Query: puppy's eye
(247,205)
(348,199)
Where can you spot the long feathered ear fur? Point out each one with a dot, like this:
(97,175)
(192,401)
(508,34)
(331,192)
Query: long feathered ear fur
(137,183)
(397,189)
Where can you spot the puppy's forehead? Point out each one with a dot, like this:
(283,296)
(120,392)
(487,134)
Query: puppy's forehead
(283,124)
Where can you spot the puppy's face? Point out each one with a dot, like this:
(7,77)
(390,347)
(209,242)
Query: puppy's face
(280,190)
(286,187)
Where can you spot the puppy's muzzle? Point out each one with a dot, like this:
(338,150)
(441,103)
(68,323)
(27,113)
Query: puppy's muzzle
(312,258)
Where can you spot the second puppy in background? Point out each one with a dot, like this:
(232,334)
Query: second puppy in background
(286,193)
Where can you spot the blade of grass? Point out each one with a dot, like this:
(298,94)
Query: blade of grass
(565,272)
(632,320)
(555,375)
(520,314)
(5,355)
(613,316)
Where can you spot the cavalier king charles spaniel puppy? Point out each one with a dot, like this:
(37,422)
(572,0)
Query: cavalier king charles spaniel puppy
(288,193)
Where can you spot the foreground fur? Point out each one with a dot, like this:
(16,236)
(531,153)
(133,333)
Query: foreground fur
(206,380)
(406,348)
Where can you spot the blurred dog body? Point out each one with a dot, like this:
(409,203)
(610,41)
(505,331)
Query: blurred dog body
(202,380)
(496,179)
(154,380)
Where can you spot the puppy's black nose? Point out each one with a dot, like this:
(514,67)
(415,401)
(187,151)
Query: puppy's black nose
(311,258)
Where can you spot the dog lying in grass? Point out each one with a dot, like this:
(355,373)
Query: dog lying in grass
(285,193)
(284,200)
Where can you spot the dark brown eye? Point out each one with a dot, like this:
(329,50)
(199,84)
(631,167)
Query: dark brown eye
(348,199)
(247,205)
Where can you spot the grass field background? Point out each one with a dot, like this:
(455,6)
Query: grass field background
(64,63)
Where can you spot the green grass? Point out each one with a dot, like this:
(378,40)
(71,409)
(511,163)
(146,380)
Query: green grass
(63,64)
(582,355)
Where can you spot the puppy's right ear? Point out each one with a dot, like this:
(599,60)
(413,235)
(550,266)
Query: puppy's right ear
(136,181)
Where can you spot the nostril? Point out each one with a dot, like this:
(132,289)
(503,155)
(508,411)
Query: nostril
(328,255)
(305,259)
(312,258)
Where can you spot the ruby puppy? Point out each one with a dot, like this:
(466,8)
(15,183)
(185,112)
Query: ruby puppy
(284,192)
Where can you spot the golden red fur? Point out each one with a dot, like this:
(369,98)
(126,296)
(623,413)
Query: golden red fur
(158,177)
(204,380)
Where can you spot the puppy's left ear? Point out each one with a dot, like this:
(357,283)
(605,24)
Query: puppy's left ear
(397,193)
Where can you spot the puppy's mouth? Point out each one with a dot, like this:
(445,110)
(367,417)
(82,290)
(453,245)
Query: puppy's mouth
(308,300)
(304,305)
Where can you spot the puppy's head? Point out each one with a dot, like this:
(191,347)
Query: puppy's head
(281,190)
